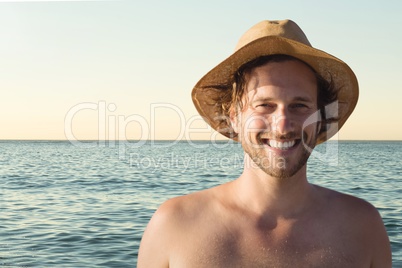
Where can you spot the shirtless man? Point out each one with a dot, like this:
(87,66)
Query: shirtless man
(271,216)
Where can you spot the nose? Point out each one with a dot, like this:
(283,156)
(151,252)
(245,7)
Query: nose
(282,122)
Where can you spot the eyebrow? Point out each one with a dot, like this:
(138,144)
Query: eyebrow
(299,98)
(303,99)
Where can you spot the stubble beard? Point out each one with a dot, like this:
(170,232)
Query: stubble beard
(278,166)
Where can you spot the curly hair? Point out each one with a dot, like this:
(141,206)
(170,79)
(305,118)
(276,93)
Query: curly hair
(232,100)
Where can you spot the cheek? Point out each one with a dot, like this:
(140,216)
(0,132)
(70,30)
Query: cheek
(255,124)
(311,130)
(311,124)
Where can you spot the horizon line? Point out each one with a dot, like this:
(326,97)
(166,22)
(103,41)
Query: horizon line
(172,140)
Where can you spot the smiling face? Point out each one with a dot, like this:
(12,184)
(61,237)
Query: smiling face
(279,97)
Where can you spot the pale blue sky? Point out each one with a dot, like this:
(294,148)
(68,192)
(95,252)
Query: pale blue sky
(55,56)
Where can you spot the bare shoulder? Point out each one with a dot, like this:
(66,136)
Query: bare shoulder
(168,226)
(363,220)
(355,208)
(179,210)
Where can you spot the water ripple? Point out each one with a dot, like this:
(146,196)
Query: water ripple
(66,206)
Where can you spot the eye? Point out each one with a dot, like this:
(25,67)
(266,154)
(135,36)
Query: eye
(300,107)
(264,105)
(264,108)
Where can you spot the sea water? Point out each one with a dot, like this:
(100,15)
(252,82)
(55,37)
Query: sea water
(87,204)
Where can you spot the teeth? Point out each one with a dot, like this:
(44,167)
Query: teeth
(281,145)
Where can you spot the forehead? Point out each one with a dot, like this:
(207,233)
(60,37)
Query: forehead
(283,79)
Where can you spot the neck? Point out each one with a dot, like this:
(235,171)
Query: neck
(267,195)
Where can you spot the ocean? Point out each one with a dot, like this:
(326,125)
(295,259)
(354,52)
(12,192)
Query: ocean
(87,204)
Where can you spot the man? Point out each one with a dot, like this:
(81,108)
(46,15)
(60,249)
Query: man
(272,95)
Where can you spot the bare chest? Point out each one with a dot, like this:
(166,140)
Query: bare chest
(287,247)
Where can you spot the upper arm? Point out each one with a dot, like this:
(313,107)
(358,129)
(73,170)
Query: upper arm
(381,255)
(156,242)
(374,237)
(166,236)
(371,240)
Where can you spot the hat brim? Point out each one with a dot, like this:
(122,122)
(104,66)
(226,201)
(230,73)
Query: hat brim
(209,88)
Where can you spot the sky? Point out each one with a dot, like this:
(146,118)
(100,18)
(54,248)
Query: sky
(81,70)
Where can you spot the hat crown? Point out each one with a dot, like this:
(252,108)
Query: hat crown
(280,28)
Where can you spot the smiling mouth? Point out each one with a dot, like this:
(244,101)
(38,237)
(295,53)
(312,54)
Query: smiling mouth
(281,145)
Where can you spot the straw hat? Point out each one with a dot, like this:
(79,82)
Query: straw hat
(270,38)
